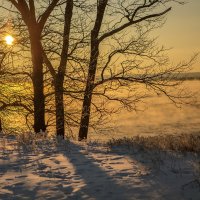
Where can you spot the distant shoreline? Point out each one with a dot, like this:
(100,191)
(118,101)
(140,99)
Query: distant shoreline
(188,76)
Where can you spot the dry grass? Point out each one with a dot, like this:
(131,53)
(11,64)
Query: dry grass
(179,143)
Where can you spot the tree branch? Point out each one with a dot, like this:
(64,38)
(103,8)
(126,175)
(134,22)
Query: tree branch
(43,18)
(108,34)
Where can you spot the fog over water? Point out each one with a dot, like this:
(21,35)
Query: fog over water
(159,116)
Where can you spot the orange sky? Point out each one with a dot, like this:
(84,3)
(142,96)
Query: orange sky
(182,32)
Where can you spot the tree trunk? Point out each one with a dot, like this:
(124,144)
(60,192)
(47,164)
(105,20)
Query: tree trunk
(59,77)
(1,129)
(85,116)
(38,83)
(59,101)
(86,107)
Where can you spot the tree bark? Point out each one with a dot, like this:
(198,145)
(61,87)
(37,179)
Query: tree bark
(59,101)
(38,82)
(1,129)
(85,116)
(86,107)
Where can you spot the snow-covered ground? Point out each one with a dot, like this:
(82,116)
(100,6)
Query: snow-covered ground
(77,170)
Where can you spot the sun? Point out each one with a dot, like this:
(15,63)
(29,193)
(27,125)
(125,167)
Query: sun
(9,40)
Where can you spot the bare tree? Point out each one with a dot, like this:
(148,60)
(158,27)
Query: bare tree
(59,74)
(124,26)
(35,25)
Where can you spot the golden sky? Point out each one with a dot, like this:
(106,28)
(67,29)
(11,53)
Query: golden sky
(182,32)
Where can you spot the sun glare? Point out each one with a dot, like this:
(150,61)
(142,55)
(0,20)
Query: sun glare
(9,40)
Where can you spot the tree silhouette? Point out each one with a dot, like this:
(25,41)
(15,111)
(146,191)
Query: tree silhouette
(142,63)
(58,76)
(35,27)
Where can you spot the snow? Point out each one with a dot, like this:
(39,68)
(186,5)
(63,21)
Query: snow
(80,170)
